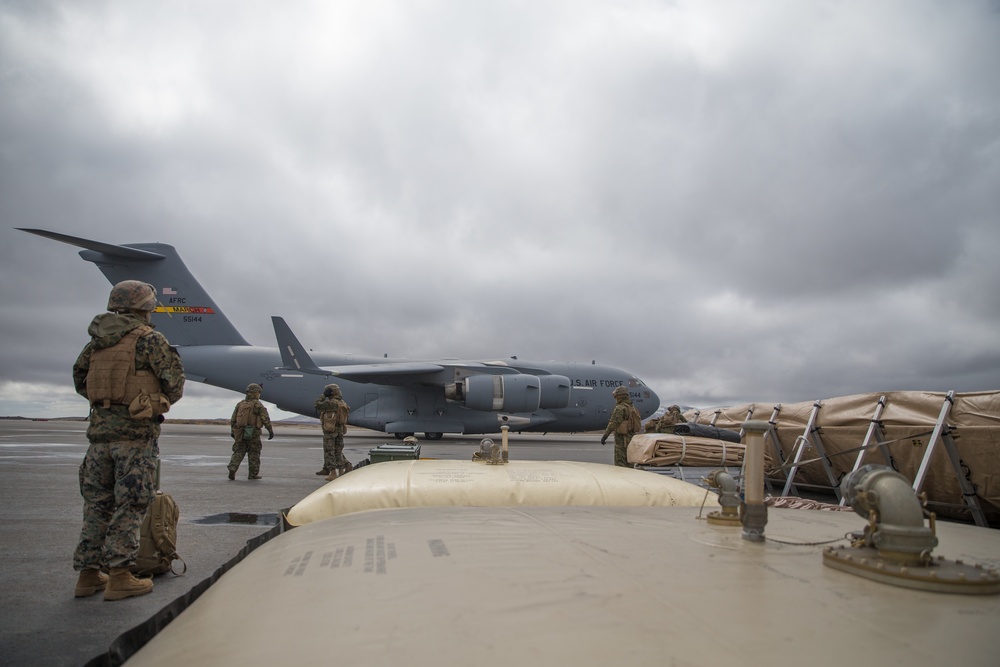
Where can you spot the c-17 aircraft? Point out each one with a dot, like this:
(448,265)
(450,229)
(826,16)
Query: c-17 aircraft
(395,396)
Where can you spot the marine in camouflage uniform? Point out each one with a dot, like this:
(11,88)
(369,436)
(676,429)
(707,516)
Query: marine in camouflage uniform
(116,476)
(251,446)
(619,425)
(670,419)
(331,403)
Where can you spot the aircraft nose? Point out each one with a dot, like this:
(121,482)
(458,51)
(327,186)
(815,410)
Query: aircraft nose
(649,404)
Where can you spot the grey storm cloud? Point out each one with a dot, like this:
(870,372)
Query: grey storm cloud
(735,201)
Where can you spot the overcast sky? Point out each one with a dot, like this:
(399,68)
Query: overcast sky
(736,201)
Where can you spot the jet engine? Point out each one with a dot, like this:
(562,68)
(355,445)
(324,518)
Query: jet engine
(556,391)
(511,393)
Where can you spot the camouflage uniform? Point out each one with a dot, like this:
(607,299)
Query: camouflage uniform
(333,436)
(670,419)
(116,476)
(619,416)
(249,447)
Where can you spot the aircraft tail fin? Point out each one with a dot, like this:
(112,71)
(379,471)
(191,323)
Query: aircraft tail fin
(293,354)
(185,313)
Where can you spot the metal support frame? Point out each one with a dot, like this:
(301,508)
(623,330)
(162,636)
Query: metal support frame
(811,436)
(875,432)
(771,433)
(942,433)
(743,432)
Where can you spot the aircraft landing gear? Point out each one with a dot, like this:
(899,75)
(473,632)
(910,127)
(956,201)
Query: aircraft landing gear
(400,436)
(433,436)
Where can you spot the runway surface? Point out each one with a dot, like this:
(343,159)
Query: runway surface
(43,624)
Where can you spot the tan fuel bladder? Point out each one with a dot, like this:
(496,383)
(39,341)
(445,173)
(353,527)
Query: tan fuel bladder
(517,483)
(579,586)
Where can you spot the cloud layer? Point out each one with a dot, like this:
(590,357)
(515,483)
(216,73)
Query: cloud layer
(738,202)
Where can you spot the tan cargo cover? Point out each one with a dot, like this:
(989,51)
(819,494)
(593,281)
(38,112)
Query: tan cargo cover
(908,419)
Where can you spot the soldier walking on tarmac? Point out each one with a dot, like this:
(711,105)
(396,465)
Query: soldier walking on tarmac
(131,376)
(249,417)
(333,414)
(624,423)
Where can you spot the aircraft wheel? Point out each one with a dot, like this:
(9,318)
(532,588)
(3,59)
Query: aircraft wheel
(399,436)
(433,436)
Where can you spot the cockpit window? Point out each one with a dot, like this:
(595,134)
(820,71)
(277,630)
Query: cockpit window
(635,382)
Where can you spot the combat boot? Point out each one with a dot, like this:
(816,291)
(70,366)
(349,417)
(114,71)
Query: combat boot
(91,581)
(123,585)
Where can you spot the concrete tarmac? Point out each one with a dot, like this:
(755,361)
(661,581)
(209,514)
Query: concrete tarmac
(41,623)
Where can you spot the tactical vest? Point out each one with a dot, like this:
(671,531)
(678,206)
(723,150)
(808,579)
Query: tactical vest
(112,378)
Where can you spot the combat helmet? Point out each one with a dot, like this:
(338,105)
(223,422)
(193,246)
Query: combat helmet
(619,391)
(410,440)
(332,390)
(132,295)
(254,388)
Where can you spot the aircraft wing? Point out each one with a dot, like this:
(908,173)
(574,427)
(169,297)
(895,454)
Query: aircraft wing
(389,373)
(397,372)
(295,357)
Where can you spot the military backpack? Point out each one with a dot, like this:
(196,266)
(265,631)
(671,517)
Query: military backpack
(332,420)
(158,538)
(634,420)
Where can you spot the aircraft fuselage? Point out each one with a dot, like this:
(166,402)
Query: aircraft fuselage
(411,409)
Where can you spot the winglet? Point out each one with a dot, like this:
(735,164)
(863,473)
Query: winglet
(293,355)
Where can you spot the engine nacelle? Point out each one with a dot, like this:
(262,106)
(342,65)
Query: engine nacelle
(511,393)
(556,390)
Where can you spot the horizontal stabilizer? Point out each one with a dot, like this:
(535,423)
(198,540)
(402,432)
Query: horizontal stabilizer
(106,248)
(185,313)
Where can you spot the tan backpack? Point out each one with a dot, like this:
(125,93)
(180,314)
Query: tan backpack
(158,538)
(333,419)
(245,415)
(634,420)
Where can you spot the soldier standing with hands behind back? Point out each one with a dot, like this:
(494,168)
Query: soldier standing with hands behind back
(131,376)
(249,417)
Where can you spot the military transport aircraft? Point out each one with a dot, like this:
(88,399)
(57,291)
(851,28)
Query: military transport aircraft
(396,396)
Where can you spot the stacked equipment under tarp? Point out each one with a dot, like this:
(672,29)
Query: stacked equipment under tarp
(906,423)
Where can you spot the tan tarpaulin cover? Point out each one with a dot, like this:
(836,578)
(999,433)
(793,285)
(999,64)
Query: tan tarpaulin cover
(517,483)
(575,586)
(908,420)
(663,449)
